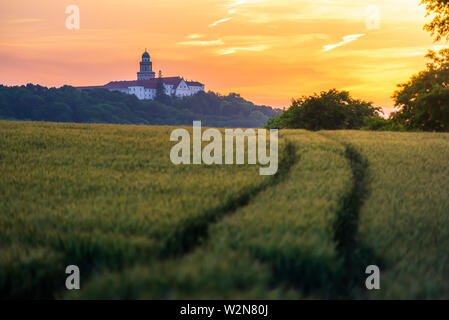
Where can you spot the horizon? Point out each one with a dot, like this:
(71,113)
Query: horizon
(268,51)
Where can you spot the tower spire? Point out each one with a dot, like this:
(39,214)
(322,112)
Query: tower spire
(146,67)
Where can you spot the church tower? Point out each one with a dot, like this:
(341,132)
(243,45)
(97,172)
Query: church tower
(146,68)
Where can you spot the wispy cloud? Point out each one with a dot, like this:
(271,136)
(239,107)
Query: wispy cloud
(195,36)
(21,21)
(237,3)
(346,39)
(219,21)
(234,50)
(201,43)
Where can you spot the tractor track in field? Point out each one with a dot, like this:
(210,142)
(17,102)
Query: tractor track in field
(355,257)
(310,275)
(196,232)
(353,253)
(346,281)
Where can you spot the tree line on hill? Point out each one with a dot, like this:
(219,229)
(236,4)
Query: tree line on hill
(68,104)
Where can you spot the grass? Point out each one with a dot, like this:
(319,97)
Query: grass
(105,196)
(108,199)
(405,218)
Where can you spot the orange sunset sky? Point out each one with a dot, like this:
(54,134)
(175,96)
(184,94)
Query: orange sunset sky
(267,50)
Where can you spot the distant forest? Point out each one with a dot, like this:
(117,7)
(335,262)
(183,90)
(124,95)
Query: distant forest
(68,104)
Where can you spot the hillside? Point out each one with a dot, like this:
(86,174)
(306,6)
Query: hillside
(108,199)
(67,104)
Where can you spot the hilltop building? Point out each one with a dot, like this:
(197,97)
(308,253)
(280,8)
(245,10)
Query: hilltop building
(145,87)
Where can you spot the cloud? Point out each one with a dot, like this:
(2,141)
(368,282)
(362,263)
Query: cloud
(195,36)
(219,21)
(201,43)
(346,39)
(237,3)
(234,50)
(21,21)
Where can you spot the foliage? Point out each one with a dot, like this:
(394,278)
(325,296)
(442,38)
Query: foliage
(439,26)
(381,124)
(67,104)
(329,110)
(160,89)
(423,101)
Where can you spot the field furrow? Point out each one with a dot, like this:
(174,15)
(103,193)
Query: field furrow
(280,244)
(405,217)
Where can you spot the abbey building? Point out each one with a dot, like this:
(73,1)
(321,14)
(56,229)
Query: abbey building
(145,87)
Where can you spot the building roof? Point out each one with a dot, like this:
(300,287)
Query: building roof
(148,84)
(146,55)
(194,84)
(174,81)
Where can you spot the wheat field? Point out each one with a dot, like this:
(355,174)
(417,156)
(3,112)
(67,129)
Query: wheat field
(108,199)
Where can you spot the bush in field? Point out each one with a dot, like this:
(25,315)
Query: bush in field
(381,124)
(329,110)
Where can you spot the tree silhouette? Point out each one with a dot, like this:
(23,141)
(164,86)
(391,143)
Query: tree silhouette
(160,90)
